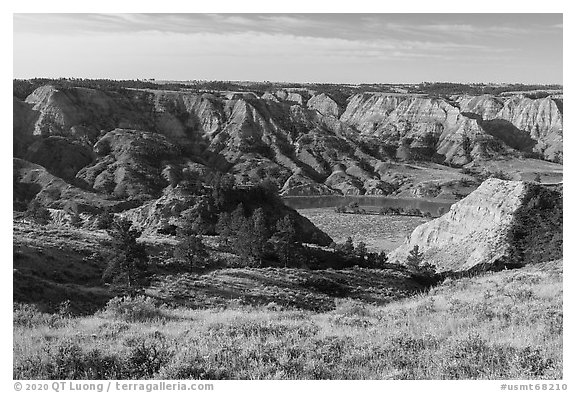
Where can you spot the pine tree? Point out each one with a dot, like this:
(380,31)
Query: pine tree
(360,249)
(105,219)
(237,218)
(128,266)
(348,246)
(382,258)
(73,211)
(286,239)
(223,226)
(414,259)
(260,232)
(191,250)
(75,219)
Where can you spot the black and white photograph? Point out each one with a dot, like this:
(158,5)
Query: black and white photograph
(287,196)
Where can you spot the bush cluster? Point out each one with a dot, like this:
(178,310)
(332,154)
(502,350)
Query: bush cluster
(133,309)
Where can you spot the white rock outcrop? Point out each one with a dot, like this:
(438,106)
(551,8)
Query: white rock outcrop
(474,232)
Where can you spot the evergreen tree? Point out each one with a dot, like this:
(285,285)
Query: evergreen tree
(38,213)
(360,249)
(414,259)
(128,266)
(223,190)
(191,250)
(223,226)
(73,211)
(381,258)
(348,246)
(260,233)
(237,218)
(286,239)
(105,219)
(75,219)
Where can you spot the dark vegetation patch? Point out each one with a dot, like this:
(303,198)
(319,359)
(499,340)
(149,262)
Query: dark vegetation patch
(536,235)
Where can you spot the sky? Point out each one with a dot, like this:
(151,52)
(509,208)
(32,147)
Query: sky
(337,48)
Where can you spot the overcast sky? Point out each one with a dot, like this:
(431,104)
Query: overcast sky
(344,48)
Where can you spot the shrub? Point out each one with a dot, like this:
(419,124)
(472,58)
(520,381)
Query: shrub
(105,219)
(351,308)
(147,355)
(325,285)
(67,360)
(28,315)
(413,212)
(340,209)
(38,213)
(346,248)
(133,309)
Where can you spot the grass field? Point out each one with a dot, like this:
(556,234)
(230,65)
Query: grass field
(505,325)
(378,232)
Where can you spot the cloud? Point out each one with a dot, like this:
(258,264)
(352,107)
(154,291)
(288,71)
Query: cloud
(459,29)
(274,44)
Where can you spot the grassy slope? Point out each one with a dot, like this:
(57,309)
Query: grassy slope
(502,325)
(53,264)
(293,288)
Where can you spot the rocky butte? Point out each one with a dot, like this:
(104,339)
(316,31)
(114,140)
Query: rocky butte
(501,224)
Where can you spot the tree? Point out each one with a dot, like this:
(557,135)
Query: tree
(73,211)
(75,219)
(415,258)
(222,190)
(360,249)
(223,226)
(191,249)
(348,246)
(128,266)
(424,273)
(38,213)
(466,145)
(381,258)
(237,218)
(286,239)
(376,260)
(355,207)
(269,188)
(197,219)
(340,209)
(105,219)
(243,243)
(260,234)
(538,178)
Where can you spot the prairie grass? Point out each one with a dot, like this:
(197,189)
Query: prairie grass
(505,325)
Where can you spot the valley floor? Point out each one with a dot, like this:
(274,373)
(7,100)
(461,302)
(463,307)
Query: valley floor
(379,232)
(505,325)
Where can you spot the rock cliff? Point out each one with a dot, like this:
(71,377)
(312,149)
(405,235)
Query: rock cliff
(500,223)
(295,137)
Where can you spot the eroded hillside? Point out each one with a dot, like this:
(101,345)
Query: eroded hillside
(133,142)
(501,224)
